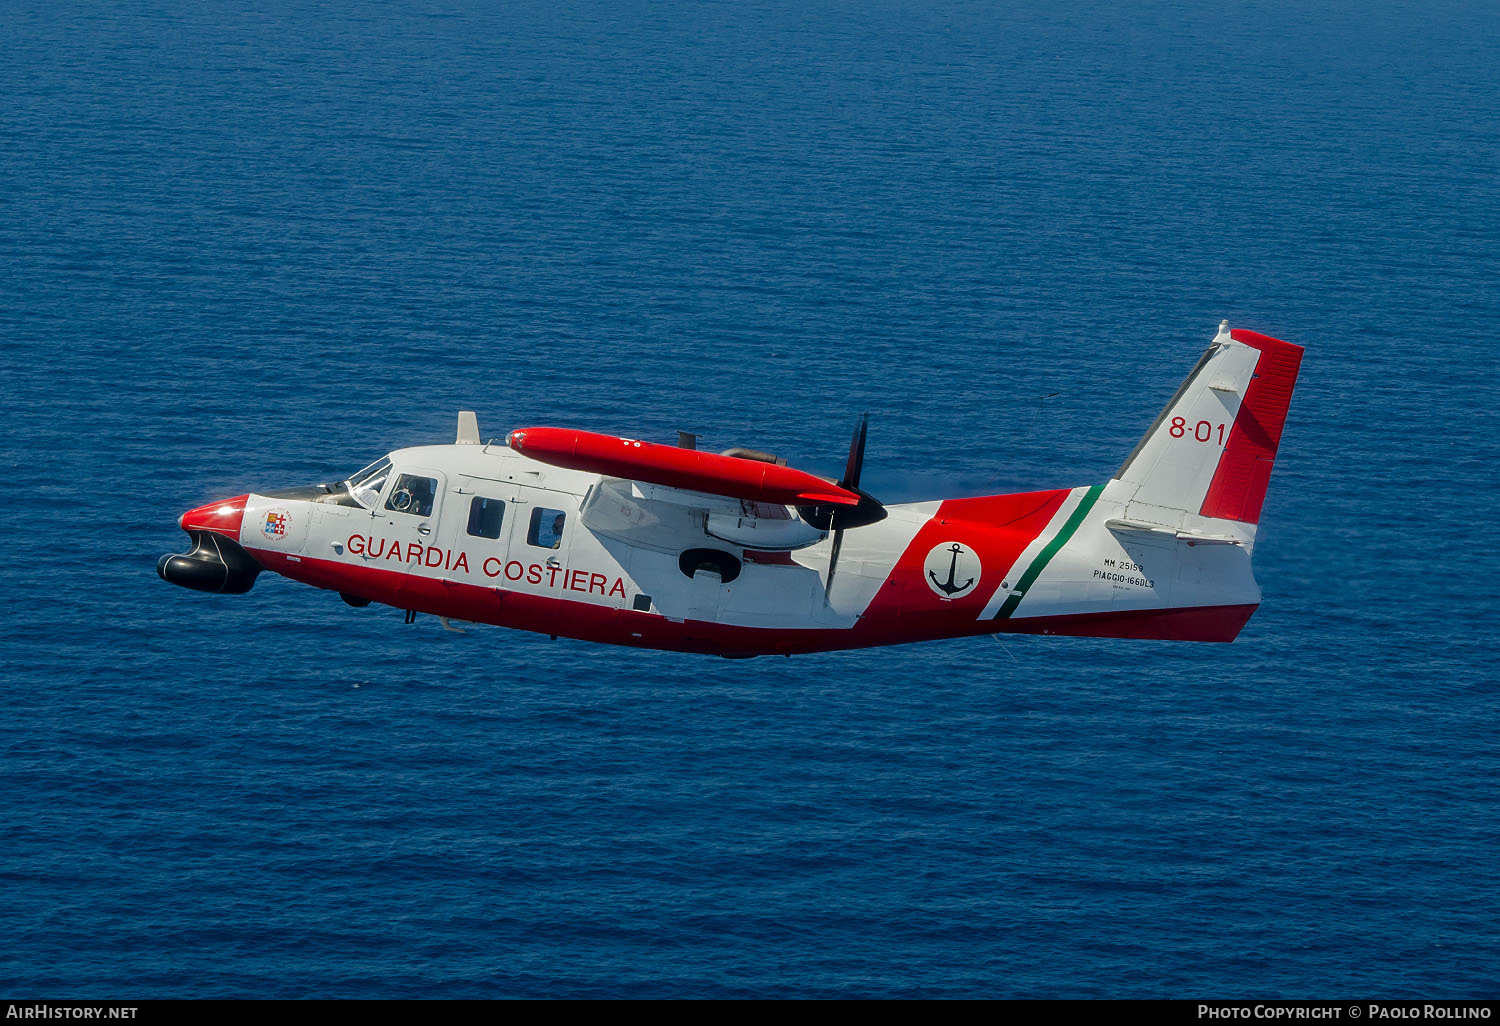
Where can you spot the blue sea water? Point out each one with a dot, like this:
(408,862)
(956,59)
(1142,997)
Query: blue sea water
(250,246)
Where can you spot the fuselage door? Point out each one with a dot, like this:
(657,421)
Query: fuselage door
(541,537)
(478,529)
(407,517)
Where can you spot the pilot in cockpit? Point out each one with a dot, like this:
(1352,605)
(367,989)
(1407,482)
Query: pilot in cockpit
(422,496)
(413,494)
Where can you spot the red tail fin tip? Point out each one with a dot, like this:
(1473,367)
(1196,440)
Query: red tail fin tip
(1239,484)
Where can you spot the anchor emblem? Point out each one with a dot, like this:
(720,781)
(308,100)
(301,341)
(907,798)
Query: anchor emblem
(951,586)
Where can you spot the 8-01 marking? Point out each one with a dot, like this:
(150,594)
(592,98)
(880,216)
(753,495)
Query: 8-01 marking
(1203,431)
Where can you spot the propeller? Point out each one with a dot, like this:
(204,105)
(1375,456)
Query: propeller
(838,519)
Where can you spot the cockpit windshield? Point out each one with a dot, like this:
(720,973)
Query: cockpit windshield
(367,484)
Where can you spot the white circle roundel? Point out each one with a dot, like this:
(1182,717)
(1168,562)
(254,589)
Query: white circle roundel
(951,570)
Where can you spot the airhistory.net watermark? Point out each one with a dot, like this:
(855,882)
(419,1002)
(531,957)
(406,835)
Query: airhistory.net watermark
(48,1011)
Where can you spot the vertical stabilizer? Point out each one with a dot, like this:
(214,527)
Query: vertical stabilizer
(1211,449)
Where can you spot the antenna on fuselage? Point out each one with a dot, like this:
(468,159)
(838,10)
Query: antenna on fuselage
(468,428)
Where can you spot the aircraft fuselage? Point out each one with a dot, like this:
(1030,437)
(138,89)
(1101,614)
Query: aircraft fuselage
(485,533)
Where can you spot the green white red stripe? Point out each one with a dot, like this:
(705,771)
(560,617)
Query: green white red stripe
(1039,553)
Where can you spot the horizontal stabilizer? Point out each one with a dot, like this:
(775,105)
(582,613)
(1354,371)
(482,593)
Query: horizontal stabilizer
(1191,537)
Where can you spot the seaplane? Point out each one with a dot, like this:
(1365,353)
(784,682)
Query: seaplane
(631,542)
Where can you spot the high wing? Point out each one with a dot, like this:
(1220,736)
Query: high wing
(675,467)
(656,496)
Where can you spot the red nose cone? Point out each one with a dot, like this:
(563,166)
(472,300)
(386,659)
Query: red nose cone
(223,517)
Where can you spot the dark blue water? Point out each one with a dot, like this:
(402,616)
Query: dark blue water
(250,246)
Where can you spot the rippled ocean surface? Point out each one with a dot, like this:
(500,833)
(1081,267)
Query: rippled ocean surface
(250,246)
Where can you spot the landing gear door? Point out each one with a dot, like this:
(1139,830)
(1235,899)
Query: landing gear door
(703,599)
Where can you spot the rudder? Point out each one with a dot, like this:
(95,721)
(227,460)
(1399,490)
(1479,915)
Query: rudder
(1239,485)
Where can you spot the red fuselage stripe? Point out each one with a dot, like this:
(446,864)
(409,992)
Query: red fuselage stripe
(597,622)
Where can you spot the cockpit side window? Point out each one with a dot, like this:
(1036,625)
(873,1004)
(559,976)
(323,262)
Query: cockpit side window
(546,528)
(413,494)
(367,484)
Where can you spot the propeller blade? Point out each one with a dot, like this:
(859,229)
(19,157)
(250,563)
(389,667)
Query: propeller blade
(833,560)
(856,462)
(852,468)
(868,511)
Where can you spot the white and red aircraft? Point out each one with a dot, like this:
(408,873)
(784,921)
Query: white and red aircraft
(617,540)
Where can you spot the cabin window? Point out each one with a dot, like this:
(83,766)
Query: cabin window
(485,517)
(546,528)
(367,484)
(413,494)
